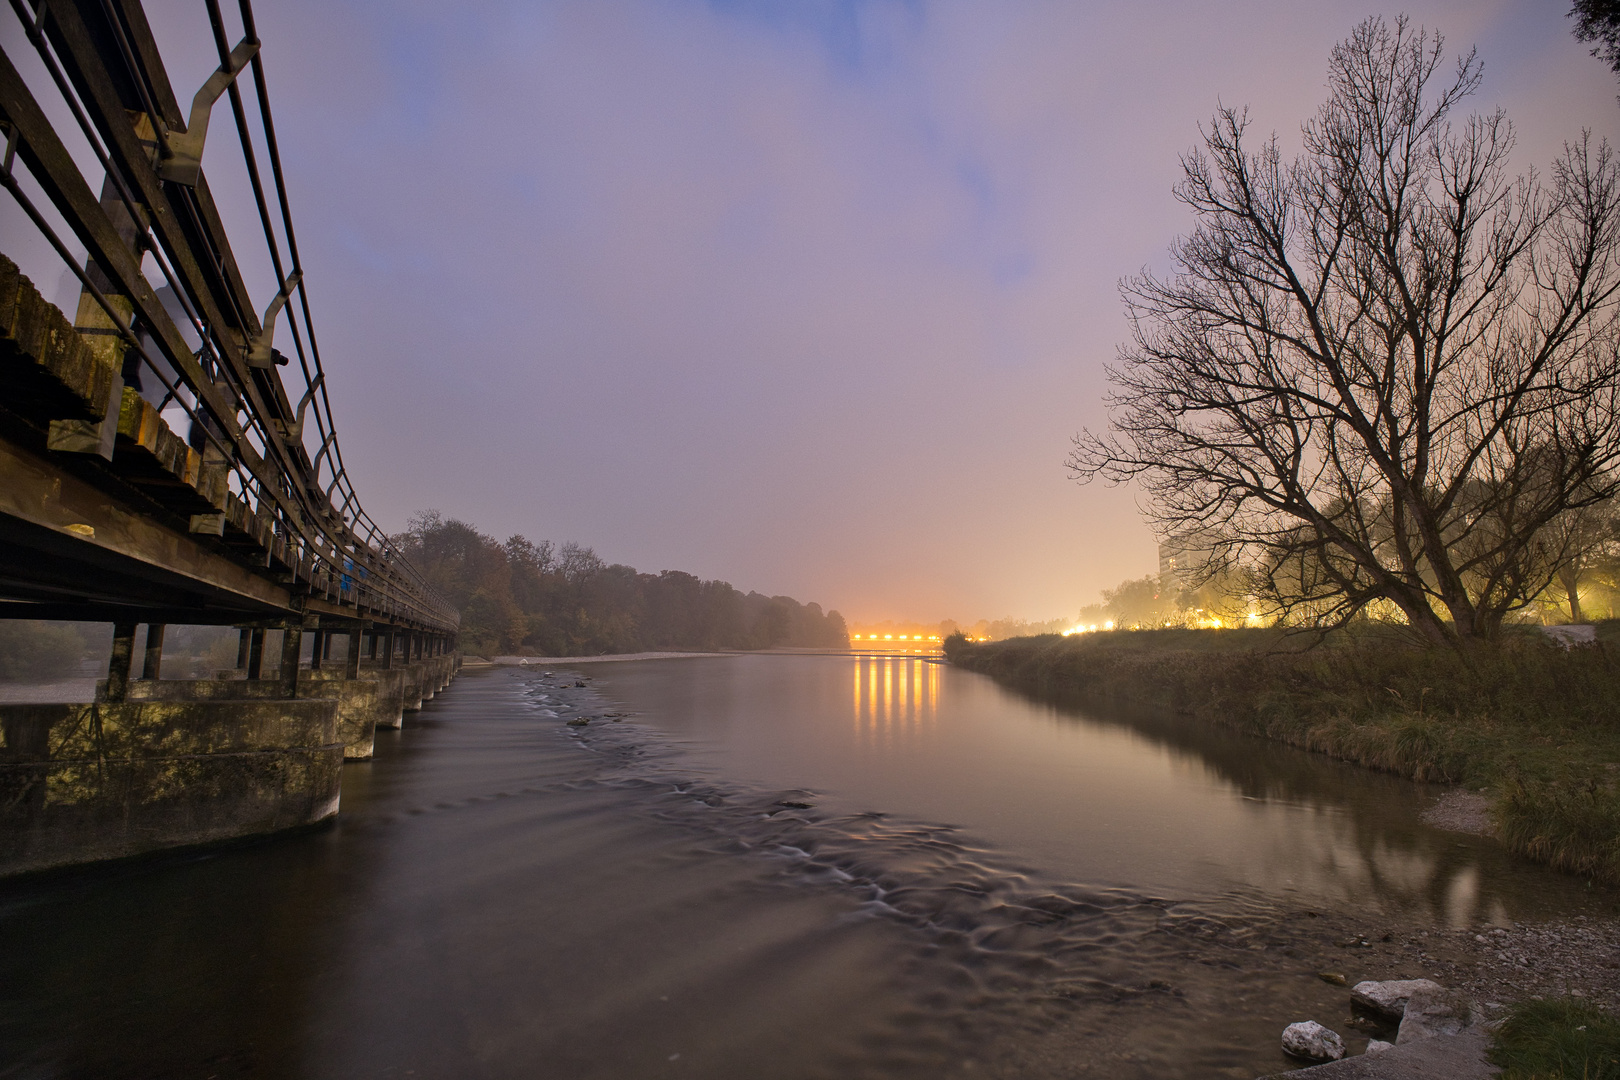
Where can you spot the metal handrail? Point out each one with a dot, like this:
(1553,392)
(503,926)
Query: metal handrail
(276,479)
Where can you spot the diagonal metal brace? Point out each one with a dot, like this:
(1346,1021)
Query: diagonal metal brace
(181,160)
(259,353)
(309,396)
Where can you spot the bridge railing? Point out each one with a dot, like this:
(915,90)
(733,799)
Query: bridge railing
(165,301)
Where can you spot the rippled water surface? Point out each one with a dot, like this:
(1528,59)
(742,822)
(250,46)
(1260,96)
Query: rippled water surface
(774,866)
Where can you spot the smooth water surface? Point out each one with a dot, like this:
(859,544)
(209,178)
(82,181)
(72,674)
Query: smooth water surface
(777,866)
(1155,804)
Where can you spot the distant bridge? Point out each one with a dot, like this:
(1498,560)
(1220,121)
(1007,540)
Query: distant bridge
(165,457)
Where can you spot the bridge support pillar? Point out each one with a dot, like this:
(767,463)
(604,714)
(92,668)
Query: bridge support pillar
(292,641)
(123,653)
(107,780)
(362,704)
(255,664)
(390,694)
(153,664)
(414,675)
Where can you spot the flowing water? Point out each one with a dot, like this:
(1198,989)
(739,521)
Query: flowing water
(753,867)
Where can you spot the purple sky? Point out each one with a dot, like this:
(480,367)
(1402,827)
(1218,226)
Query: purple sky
(805,296)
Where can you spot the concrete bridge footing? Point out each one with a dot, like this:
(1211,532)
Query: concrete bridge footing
(359,704)
(390,694)
(84,783)
(180,763)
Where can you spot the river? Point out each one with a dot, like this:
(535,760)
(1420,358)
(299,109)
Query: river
(753,866)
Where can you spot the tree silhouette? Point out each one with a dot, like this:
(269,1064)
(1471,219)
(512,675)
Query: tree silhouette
(1383,371)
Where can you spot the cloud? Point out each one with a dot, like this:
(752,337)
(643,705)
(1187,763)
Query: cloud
(809,297)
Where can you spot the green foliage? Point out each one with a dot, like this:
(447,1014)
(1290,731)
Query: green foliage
(1599,21)
(1558,1039)
(39,651)
(520,596)
(1531,721)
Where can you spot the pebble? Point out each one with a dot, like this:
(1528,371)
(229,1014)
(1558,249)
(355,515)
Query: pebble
(1576,957)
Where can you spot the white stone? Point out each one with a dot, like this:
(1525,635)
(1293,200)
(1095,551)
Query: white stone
(1378,1046)
(1311,1041)
(1433,1012)
(1389,996)
(1571,636)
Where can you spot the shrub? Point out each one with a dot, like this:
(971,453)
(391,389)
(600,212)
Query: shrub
(1575,827)
(1558,1039)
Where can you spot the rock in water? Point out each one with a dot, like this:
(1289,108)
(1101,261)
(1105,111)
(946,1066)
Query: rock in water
(1311,1041)
(1388,998)
(1431,1012)
(1378,1046)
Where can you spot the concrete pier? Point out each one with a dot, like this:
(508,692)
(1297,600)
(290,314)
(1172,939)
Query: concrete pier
(159,763)
(390,684)
(436,673)
(360,706)
(83,783)
(414,677)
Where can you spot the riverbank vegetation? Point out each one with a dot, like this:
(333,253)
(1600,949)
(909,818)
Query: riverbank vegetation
(1555,1038)
(519,596)
(1531,723)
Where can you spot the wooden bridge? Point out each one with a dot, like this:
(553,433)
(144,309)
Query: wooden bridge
(166,457)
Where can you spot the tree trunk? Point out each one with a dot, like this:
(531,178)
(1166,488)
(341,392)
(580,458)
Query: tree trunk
(1422,618)
(1570,578)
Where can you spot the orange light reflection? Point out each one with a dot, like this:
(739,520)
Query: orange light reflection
(900,700)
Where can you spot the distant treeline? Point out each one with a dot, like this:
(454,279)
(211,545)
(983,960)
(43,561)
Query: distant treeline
(525,597)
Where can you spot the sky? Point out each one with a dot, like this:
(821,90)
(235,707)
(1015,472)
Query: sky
(810,297)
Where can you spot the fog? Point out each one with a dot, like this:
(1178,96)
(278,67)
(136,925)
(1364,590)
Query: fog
(807,297)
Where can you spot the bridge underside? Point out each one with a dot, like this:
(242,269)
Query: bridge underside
(69,549)
(107,515)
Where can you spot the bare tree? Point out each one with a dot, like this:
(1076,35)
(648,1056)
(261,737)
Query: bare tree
(1383,370)
(1587,537)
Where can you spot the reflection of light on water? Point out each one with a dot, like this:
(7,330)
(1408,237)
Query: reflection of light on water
(894,695)
(1462,898)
